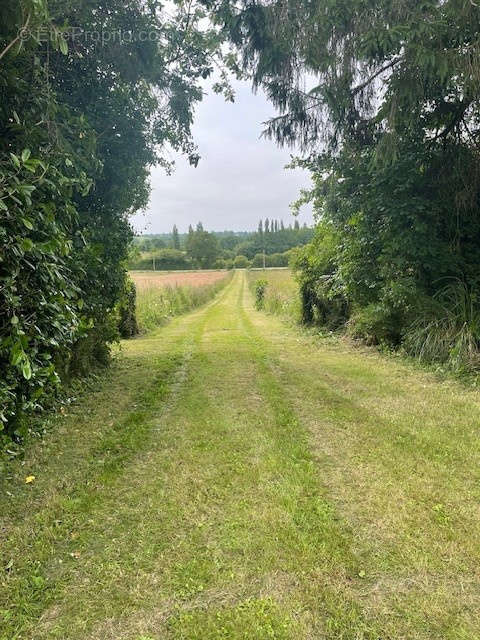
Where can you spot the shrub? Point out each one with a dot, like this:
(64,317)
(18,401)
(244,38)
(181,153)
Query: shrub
(163,259)
(257,261)
(241,262)
(278,260)
(260,289)
(376,324)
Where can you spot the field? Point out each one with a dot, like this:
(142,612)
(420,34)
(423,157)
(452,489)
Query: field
(162,296)
(151,279)
(233,478)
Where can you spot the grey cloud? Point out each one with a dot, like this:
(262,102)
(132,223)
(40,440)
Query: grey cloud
(240,177)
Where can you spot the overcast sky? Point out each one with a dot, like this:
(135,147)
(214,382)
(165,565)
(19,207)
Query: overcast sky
(239,179)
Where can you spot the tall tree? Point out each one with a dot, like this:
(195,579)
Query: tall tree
(203,248)
(175,237)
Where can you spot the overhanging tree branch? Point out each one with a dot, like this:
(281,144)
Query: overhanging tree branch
(377,73)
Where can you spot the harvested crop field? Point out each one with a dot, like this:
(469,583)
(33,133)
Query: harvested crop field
(151,279)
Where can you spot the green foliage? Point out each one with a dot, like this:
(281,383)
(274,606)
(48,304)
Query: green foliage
(202,248)
(391,137)
(315,266)
(273,260)
(241,262)
(127,311)
(260,288)
(233,243)
(446,330)
(40,306)
(161,260)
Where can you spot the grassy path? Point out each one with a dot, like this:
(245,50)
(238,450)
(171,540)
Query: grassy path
(234,479)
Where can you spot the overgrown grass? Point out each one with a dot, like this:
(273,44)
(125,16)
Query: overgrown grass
(280,294)
(447,331)
(157,304)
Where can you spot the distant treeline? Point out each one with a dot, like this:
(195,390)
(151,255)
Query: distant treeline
(219,249)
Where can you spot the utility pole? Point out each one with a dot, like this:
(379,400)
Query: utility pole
(153,260)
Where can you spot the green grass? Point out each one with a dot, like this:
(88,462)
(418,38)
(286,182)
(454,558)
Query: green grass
(281,295)
(234,478)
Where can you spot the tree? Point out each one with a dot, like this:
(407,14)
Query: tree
(203,248)
(175,237)
(296,225)
(391,135)
(260,227)
(267,225)
(241,262)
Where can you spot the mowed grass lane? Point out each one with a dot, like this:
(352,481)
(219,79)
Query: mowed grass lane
(235,479)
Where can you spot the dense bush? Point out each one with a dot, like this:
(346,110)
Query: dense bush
(273,260)
(161,260)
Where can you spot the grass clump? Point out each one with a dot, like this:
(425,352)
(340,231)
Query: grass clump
(447,333)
